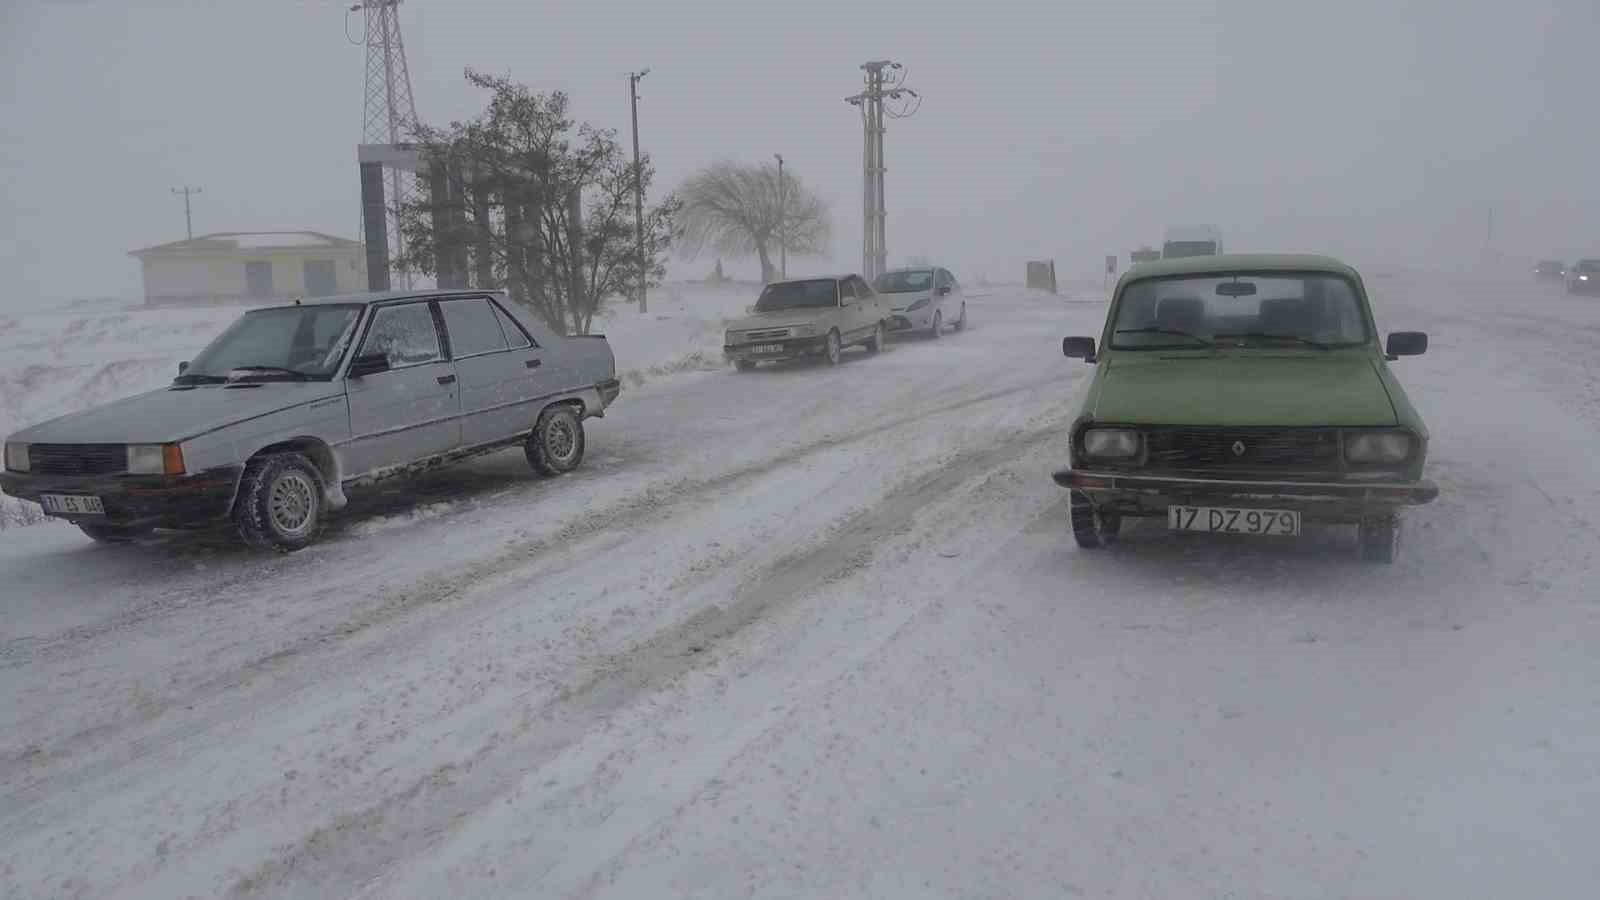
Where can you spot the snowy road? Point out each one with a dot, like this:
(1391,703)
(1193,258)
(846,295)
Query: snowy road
(813,632)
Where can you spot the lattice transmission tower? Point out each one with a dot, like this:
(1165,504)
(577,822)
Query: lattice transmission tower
(390,114)
(874,216)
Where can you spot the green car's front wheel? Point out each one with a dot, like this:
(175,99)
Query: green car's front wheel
(1380,538)
(1091,528)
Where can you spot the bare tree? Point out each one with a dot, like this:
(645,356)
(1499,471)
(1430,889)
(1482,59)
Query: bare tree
(741,209)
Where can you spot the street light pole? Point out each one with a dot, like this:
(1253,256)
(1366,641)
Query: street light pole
(783,221)
(638,183)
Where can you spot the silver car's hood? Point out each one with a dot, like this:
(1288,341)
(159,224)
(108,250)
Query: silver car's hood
(778,318)
(172,415)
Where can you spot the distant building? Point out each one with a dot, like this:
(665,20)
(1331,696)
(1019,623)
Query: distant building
(252,265)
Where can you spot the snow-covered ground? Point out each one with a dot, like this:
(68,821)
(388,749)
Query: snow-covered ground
(823,633)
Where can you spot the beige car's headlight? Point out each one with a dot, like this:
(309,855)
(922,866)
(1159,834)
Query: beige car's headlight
(1111,443)
(804,331)
(16,457)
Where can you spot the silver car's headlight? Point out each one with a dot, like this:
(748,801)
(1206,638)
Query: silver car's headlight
(1111,443)
(16,457)
(155,459)
(1377,447)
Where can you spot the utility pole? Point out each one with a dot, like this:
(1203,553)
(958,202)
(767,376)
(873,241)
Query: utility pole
(188,219)
(874,245)
(638,184)
(783,221)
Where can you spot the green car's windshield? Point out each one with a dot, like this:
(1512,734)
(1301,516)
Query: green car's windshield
(818,292)
(904,282)
(1312,311)
(282,342)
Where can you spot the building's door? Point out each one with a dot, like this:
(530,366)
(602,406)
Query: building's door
(320,278)
(412,411)
(258,279)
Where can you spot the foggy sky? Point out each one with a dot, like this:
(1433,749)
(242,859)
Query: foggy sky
(1374,129)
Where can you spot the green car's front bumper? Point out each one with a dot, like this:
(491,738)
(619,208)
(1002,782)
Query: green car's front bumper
(1135,494)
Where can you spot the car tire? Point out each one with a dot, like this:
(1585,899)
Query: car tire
(961,323)
(555,447)
(1379,537)
(875,343)
(937,328)
(1091,528)
(743,365)
(280,503)
(114,534)
(832,349)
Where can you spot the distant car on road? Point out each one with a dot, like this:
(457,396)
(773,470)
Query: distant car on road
(1584,277)
(292,404)
(1183,241)
(924,300)
(1244,394)
(808,317)
(1550,270)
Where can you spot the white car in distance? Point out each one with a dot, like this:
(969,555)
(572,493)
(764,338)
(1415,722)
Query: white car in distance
(924,299)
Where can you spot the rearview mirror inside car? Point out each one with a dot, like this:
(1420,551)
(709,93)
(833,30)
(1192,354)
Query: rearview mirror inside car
(1236,289)
(369,364)
(1078,348)
(1406,343)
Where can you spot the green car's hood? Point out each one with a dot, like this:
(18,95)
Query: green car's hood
(1241,389)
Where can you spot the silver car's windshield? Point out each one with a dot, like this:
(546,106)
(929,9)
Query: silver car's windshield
(904,282)
(293,342)
(1312,310)
(820,292)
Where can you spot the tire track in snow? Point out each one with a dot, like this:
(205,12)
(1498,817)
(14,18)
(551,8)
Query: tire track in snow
(355,848)
(305,663)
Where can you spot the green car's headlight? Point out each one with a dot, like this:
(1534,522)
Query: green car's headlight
(1377,447)
(1111,443)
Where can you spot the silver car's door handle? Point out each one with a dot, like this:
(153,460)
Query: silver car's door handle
(447,379)
(534,363)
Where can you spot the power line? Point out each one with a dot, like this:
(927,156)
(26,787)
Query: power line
(188,217)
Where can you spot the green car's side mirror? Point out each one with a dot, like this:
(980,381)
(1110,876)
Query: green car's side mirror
(1078,348)
(1406,343)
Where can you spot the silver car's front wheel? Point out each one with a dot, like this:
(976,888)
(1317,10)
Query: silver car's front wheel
(833,348)
(280,506)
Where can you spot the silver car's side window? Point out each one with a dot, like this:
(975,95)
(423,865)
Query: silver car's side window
(513,331)
(473,328)
(406,334)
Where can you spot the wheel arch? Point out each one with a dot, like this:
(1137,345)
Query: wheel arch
(321,456)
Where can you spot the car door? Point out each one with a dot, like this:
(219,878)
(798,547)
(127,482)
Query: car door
(499,372)
(865,311)
(411,411)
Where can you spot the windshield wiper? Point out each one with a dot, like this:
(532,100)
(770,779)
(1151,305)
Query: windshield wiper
(1172,331)
(1263,336)
(272,370)
(198,378)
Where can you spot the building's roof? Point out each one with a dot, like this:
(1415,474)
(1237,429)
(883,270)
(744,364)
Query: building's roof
(1238,262)
(248,241)
(1193,233)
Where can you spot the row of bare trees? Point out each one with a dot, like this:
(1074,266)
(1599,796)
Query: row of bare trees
(525,198)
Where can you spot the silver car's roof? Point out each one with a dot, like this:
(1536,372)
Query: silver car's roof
(368,297)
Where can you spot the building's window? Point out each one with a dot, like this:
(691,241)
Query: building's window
(258,279)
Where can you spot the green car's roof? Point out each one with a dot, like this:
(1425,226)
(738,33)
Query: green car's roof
(1236,262)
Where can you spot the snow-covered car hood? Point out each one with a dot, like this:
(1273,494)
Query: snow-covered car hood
(780,318)
(1293,389)
(177,413)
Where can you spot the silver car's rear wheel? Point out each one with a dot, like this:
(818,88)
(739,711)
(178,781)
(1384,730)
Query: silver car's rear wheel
(556,444)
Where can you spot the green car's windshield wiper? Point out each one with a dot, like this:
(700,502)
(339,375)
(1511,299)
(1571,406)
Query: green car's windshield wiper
(296,374)
(198,378)
(1172,331)
(1263,336)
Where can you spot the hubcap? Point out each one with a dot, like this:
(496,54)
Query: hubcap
(292,503)
(559,439)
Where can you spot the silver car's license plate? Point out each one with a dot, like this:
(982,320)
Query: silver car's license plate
(72,504)
(767,348)
(1228,520)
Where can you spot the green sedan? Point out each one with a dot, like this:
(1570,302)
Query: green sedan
(1245,395)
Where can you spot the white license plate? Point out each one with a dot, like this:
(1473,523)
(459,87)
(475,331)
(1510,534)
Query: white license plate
(1227,520)
(72,504)
(767,348)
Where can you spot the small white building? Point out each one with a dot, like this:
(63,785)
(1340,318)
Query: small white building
(261,266)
